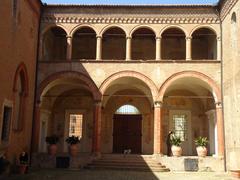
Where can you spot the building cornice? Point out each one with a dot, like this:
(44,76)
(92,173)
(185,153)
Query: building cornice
(61,18)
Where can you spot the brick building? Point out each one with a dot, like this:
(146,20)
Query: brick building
(122,76)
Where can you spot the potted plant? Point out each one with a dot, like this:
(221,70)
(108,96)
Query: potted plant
(201,143)
(73,141)
(23,162)
(176,145)
(52,147)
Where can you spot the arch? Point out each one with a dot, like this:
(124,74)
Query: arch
(140,27)
(134,74)
(84,43)
(21,71)
(204,44)
(173,43)
(215,89)
(104,29)
(53,26)
(76,28)
(114,44)
(170,27)
(54,44)
(204,26)
(70,74)
(20,89)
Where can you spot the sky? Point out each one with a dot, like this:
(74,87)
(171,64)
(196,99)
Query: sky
(130,1)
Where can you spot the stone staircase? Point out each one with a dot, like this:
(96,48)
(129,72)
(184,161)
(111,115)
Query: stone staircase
(127,162)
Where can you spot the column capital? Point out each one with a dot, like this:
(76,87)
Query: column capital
(158,104)
(98,103)
(99,37)
(219,38)
(188,38)
(128,37)
(68,37)
(158,37)
(218,105)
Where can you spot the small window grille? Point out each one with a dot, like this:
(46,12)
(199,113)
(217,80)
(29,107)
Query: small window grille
(180,126)
(75,125)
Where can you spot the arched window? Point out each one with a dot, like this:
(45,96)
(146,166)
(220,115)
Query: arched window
(54,44)
(204,44)
(234,30)
(143,44)
(84,44)
(173,44)
(114,44)
(127,109)
(20,92)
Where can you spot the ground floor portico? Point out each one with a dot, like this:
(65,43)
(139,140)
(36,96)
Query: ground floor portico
(128,111)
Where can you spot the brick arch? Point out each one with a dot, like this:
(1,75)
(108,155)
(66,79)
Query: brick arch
(142,27)
(216,90)
(173,27)
(89,84)
(209,27)
(106,28)
(78,27)
(134,74)
(22,72)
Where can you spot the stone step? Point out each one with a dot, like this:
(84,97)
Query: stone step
(128,165)
(102,161)
(130,168)
(127,162)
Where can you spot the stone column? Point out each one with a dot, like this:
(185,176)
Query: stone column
(99,48)
(128,48)
(36,124)
(158,144)
(69,47)
(219,48)
(158,48)
(188,48)
(96,145)
(220,129)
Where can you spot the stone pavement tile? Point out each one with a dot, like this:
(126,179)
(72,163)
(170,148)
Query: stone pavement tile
(58,174)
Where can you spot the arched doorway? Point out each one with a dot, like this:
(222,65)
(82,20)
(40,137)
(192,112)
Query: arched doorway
(127,130)
(133,89)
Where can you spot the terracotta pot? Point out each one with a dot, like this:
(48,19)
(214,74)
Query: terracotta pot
(52,149)
(176,151)
(73,150)
(23,168)
(201,151)
(235,173)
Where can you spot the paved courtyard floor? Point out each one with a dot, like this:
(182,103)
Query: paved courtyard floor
(59,174)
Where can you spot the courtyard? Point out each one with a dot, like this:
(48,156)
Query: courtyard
(62,174)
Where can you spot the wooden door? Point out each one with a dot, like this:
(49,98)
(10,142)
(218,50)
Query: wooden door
(127,133)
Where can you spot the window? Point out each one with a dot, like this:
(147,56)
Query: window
(75,125)
(7,112)
(180,126)
(127,109)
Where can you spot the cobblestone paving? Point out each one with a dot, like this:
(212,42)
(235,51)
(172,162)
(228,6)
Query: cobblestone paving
(116,175)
